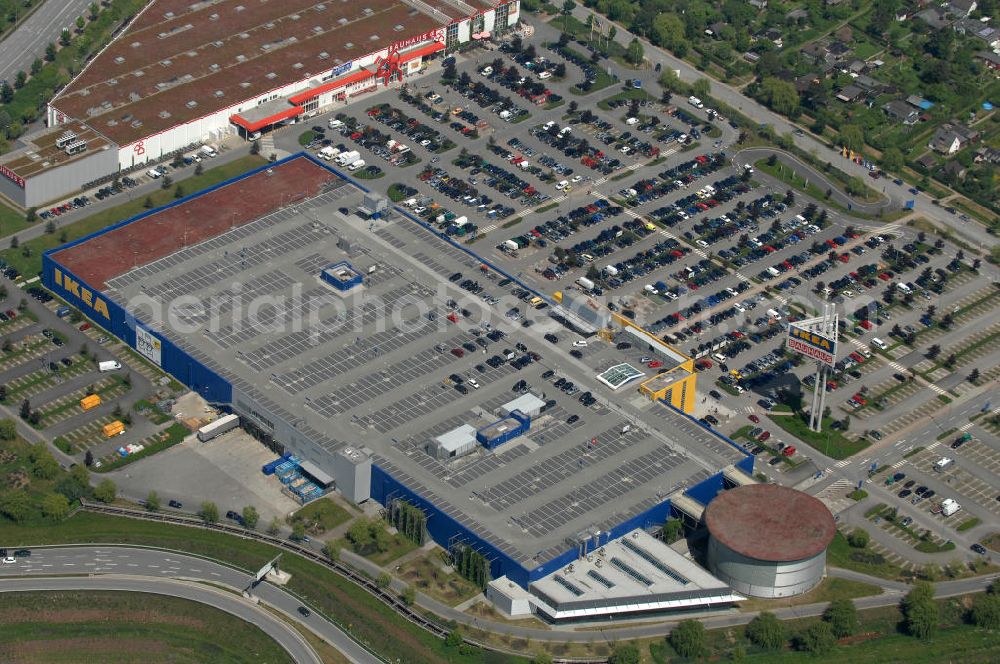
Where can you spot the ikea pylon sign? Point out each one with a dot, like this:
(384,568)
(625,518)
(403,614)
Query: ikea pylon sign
(811,344)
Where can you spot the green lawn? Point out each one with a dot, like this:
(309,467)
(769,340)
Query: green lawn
(830,442)
(348,605)
(843,555)
(169,437)
(112,627)
(12,221)
(31,264)
(321,516)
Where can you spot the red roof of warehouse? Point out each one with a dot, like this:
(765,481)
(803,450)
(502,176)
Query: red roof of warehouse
(257,125)
(355,77)
(770,523)
(422,51)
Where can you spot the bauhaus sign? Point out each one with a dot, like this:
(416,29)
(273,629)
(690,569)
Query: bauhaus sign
(812,344)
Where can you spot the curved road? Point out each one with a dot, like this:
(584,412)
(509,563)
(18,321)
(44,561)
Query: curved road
(28,41)
(751,155)
(287,638)
(155,566)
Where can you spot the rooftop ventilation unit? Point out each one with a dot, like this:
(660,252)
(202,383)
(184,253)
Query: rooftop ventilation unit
(65,139)
(214,66)
(191,104)
(164,114)
(213,17)
(323,55)
(271,75)
(297,65)
(119,60)
(318,29)
(135,44)
(349,45)
(219,93)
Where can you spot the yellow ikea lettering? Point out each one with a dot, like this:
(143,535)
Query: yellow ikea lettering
(85,295)
(811,338)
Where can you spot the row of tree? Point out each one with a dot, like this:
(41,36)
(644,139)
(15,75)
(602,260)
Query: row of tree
(409,520)
(471,564)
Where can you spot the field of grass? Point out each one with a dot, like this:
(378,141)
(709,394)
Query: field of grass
(843,555)
(112,627)
(28,257)
(829,589)
(321,516)
(426,575)
(830,442)
(349,606)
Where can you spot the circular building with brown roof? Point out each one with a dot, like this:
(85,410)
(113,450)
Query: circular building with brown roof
(767,540)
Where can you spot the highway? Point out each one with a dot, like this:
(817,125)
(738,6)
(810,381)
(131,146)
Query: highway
(28,41)
(150,570)
(287,638)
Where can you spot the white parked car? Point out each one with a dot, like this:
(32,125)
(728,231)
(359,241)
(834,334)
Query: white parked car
(9,560)
(580,344)
(576,178)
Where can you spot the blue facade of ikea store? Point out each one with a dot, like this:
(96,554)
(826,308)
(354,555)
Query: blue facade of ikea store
(384,487)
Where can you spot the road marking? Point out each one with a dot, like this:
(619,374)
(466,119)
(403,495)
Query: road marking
(939,390)
(901,462)
(153,566)
(933,445)
(488,229)
(841,464)
(966,427)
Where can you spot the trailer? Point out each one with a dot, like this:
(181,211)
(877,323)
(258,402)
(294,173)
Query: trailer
(90,401)
(112,429)
(218,427)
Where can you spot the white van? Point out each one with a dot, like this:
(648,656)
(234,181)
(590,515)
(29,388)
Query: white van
(334,124)
(356,165)
(943,464)
(694,101)
(208,151)
(153,173)
(773,313)
(719,357)
(903,288)
(878,343)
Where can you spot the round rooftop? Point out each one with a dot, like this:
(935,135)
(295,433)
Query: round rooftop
(770,522)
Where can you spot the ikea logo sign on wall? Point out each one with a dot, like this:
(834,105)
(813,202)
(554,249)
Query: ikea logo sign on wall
(84,294)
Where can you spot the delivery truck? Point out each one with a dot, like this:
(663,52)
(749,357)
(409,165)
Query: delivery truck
(585,283)
(349,157)
(218,427)
(109,365)
(328,153)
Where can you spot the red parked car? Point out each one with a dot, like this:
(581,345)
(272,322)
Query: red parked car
(764,436)
(788,451)
(754,419)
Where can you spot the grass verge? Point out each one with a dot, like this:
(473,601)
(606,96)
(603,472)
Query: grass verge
(169,437)
(830,442)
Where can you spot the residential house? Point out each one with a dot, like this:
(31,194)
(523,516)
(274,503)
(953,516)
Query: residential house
(970,27)
(805,82)
(773,35)
(759,4)
(797,15)
(716,29)
(838,49)
(849,94)
(813,52)
(928,162)
(899,111)
(833,3)
(991,155)
(856,67)
(919,102)
(955,169)
(961,7)
(936,17)
(989,59)
(949,138)
(868,83)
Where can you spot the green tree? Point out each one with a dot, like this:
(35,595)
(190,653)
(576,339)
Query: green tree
(64,37)
(199,169)
(409,597)
(274,527)
(55,506)
(360,534)
(454,639)
(858,538)
(298,531)
(383,580)
(255,147)
(20,79)
(626,653)
(920,611)
(843,617)
(31,215)
(8,430)
(780,95)
(701,87)
(892,159)
(209,512)
(36,66)
(106,491)
(148,203)
(669,32)
(153,501)
(855,186)
(92,10)
(50,52)
(179,191)
(331,551)
(985,611)
(567,8)
(817,639)
(6,93)
(673,530)
(43,465)
(852,137)
(766,631)
(688,639)
(16,506)
(250,517)
(80,22)
(636,52)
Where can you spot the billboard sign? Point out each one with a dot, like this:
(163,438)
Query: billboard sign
(147,345)
(812,344)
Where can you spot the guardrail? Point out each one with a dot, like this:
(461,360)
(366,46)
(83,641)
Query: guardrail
(358,578)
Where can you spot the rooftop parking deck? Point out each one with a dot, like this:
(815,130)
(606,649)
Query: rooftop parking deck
(376,367)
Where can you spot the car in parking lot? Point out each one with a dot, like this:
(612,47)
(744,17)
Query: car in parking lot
(176,504)
(572,419)
(979,548)
(904,493)
(764,436)
(234,516)
(753,418)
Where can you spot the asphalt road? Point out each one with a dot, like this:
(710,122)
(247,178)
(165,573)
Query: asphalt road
(287,638)
(149,569)
(28,42)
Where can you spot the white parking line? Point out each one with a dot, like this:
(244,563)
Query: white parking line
(966,427)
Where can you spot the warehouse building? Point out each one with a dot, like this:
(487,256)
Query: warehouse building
(365,423)
(182,74)
(767,540)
